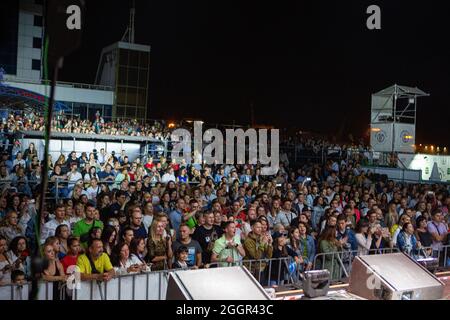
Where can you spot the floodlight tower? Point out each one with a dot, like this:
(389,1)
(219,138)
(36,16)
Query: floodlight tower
(393,119)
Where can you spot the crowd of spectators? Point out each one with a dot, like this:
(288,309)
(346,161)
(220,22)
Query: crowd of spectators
(30,121)
(116,215)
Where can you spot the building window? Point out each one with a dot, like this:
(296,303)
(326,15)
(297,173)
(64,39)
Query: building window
(37,43)
(38,21)
(36,64)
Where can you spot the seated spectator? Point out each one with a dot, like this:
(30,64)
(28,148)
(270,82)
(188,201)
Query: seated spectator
(95,264)
(93,190)
(73,176)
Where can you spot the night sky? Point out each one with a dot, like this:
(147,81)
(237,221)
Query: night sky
(311,65)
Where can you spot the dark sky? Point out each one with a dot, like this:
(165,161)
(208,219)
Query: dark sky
(308,64)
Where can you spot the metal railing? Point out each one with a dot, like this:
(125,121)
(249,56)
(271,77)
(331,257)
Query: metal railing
(153,285)
(62,84)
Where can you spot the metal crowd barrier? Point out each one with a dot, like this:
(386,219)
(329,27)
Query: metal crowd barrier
(153,285)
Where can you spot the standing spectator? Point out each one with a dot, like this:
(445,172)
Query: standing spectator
(176,216)
(70,259)
(137,253)
(95,264)
(136,223)
(438,232)
(206,235)
(422,234)
(121,260)
(281,251)
(148,215)
(83,227)
(49,228)
(363,237)
(159,247)
(331,247)
(228,249)
(407,241)
(194,258)
(258,246)
(303,244)
(285,215)
(9,227)
(109,238)
(54,271)
(62,232)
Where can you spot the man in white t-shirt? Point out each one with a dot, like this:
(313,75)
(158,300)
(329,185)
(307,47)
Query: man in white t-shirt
(49,228)
(93,190)
(168,176)
(73,176)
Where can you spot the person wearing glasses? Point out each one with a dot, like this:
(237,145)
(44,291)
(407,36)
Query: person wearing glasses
(136,222)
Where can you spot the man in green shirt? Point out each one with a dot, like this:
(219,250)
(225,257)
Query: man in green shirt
(82,227)
(228,249)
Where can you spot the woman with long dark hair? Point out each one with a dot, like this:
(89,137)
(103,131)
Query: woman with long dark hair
(137,253)
(422,234)
(121,261)
(109,239)
(331,248)
(62,232)
(363,235)
(303,244)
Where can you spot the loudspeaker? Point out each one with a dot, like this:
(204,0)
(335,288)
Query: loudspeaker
(230,283)
(394,276)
